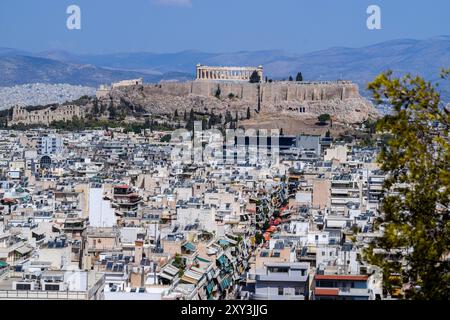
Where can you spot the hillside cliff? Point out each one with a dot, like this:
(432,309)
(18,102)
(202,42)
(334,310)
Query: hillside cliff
(341,99)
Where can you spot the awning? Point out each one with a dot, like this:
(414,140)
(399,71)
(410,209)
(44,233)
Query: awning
(202,260)
(189,246)
(210,287)
(225,283)
(223,242)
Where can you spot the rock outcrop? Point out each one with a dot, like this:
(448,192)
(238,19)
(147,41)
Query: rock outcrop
(341,99)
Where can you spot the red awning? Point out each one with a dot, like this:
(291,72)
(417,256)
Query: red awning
(326,291)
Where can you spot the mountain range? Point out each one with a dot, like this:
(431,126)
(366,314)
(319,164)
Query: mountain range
(361,65)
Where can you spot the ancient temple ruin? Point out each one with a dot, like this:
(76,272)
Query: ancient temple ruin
(228,73)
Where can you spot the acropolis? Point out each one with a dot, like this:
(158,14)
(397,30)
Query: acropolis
(228,73)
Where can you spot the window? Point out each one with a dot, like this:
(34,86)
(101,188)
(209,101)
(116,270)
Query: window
(279,270)
(52,287)
(298,291)
(317,237)
(280,291)
(323,253)
(275,254)
(23,286)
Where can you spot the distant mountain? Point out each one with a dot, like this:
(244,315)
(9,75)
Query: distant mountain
(18,69)
(423,57)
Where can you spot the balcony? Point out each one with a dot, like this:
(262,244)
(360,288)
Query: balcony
(281,277)
(262,296)
(355,292)
(42,295)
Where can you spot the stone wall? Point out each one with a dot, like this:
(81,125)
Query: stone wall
(45,116)
(341,99)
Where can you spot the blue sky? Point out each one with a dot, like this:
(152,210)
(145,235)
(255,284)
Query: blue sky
(215,25)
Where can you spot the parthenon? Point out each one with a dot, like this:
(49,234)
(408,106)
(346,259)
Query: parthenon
(228,73)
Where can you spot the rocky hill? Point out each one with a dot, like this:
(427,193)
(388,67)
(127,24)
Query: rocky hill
(297,100)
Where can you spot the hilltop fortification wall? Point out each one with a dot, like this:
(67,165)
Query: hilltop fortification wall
(299,99)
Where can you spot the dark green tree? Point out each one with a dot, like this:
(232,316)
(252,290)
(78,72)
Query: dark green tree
(299,77)
(218,92)
(290,78)
(255,78)
(166,138)
(324,117)
(228,117)
(414,248)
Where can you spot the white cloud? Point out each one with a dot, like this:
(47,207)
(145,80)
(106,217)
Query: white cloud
(181,3)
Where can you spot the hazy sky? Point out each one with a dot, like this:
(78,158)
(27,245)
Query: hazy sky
(215,25)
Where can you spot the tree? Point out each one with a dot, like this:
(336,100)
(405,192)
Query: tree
(218,92)
(166,138)
(324,117)
(259,238)
(415,218)
(255,78)
(112,112)
(228,117)
(299,77)
(248,113)
(290,78)
(190,121)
